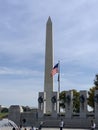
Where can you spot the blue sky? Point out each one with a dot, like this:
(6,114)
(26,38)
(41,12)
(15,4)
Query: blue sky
(22,46)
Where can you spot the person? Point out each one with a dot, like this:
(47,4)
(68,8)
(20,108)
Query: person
(93,125)
(40,126)
(20,127)
(61,124)
(32,128)
(13,128)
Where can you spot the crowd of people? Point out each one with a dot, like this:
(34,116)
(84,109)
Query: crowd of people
(61,126)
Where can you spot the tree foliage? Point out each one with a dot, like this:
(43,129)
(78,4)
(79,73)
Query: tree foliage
(62,99)
(26,108)
(96,80)
(76,104)
(4,110)
(76,101)
(91,97)
(92,91)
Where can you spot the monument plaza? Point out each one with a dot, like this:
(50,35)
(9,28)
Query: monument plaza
(48,101)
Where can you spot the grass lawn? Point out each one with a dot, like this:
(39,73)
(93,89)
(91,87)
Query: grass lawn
(3,115)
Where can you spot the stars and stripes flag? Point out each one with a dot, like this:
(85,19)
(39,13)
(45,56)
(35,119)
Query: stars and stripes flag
(55,69)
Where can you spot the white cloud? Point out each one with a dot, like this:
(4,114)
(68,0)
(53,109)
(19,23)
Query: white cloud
(22,46)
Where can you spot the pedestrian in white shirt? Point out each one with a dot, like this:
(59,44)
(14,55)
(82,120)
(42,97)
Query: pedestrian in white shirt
(61,124)
(93,125)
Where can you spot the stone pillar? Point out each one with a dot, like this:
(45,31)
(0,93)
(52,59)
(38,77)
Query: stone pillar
(83,104)
(15,114)
(96,103)
(55,104)
(41,104)
(69,104)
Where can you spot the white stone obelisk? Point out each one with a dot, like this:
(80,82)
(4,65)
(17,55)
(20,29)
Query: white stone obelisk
(48,80)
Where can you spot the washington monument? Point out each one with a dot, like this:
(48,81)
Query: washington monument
(48,100)
(48,80)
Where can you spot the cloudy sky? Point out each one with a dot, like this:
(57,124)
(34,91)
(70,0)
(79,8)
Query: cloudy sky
(22,46)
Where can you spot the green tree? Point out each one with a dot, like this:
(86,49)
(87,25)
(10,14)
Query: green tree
(76,103)
(91,97)
(4,110)
(91,93)
(26,108)
(96,80)
(62,99)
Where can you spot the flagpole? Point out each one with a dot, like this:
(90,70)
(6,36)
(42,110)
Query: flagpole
(59,76)
(59,83)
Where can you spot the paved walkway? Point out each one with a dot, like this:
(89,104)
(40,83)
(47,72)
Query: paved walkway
(9,128)
(28,128)
(63,129)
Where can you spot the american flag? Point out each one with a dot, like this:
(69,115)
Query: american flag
(55,69)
